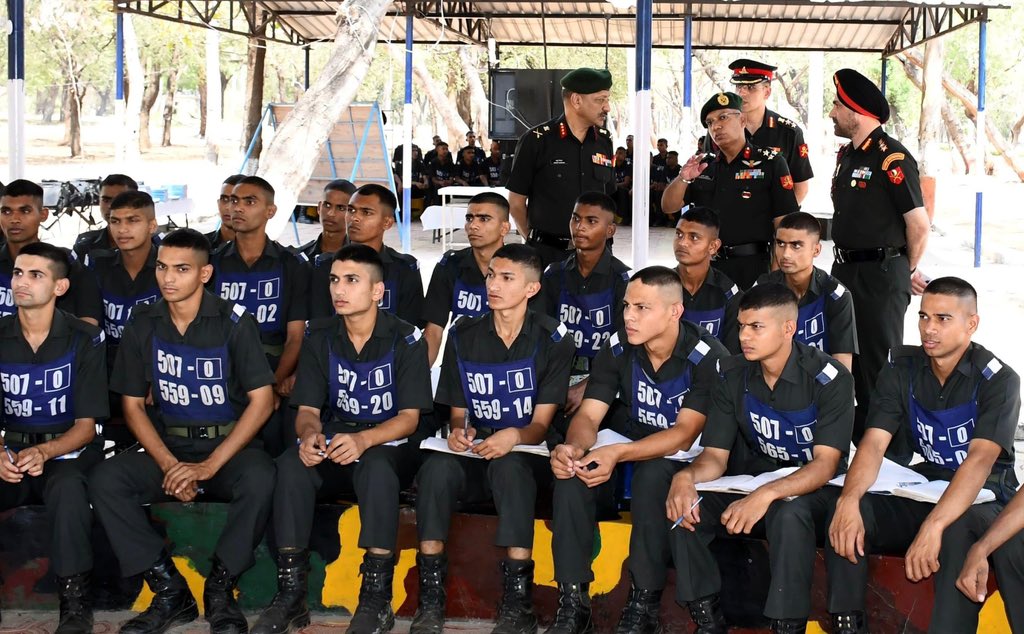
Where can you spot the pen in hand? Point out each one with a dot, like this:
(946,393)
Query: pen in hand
(10,456)
(682,517)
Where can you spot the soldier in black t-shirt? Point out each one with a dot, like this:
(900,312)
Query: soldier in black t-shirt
(779,405)
(710,299)
(504,376)
(468,171)
(361,384)
(110,187)
(749,187)
(495,166)
(623,186)
(53,372)
(880,227)
(199,358)
(272,283)
(224,233)
(657,374)
(333,212)
(957,406)
(826,319)
(441,168)
(21,213)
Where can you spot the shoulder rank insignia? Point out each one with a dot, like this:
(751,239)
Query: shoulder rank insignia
(563,130)
(892,158)
(882,145)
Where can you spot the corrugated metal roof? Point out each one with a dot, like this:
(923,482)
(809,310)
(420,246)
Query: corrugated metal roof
(852,25)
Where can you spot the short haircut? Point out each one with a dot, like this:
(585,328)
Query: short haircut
(621,148)
(491,198)
(768,295)
(383,194)
(362,254)
(188,239)
(469,132)
(598,199)
(672,153)
(119,180)
(440,143)
(133,200)
(260,184)
(953,286)
(704,216)
(22,187)
(233,180)
(60,261)
(801,221)
(660,276)
(665,141)
(340,185)
(524,255)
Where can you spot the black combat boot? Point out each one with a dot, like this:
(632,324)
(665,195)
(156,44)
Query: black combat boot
(222,611)
(640,615)
(573,616)
(515,614)
(429,617)
(789,626)
(75,604)
(172,605)
(849,623)
(706,612)
(288,609)
(374,614)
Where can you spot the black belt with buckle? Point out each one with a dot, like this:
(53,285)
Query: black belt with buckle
(743,250)
(877,254)
(549,239)
(198,432)
(27,439)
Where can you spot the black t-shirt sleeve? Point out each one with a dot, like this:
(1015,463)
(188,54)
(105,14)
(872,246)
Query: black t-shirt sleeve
(297,280)
(248,361)
(83,297)
(310,375)
(705,378)
(999,409)
(835,411)
(904,182)
(90,392)
(437,307)
(525,164)
(731,325)
(841,332)
(320,294)
(129,376)
(783,198)
(888,410)
(605,372)
(449,384)
(722,424)
(553,378)
(413,375)
(410,294)
(800,161)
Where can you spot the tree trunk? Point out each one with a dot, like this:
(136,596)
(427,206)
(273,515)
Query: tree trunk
(970,103)
(104,104)
(172,89)
(479,105)
(48,103)
(202,103)
(793,86)
(1015,130)
(932,98)
(255,66)
(149,96)
(77,94)
(135,79)
(452,120)
(65,115)
(293,154)
(956,135)
(710,68)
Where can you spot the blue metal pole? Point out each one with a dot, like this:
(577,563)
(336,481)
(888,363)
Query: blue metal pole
(16,87)
(119,59)
(885,72)
(405,233)
(642,128)
(687,61)
(374,115)
(252,143)
(979,122)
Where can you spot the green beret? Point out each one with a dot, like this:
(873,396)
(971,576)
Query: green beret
(586,81)
(721,101)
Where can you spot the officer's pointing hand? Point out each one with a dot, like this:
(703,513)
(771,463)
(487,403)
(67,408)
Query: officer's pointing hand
(562,461)
(461,439)
(973,581)
(9,470)
(311,449)
(693,167)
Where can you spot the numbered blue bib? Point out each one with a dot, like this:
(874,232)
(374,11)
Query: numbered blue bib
(710,320)
(259,292)
(783,435)
(469,301)
(810,325)
(6,296)
(588,318)
(117,310)
(38,394)
(493,171)
(943,435)
(499,395)
(656,404)
(389,302)
(190,385)
(362,391)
